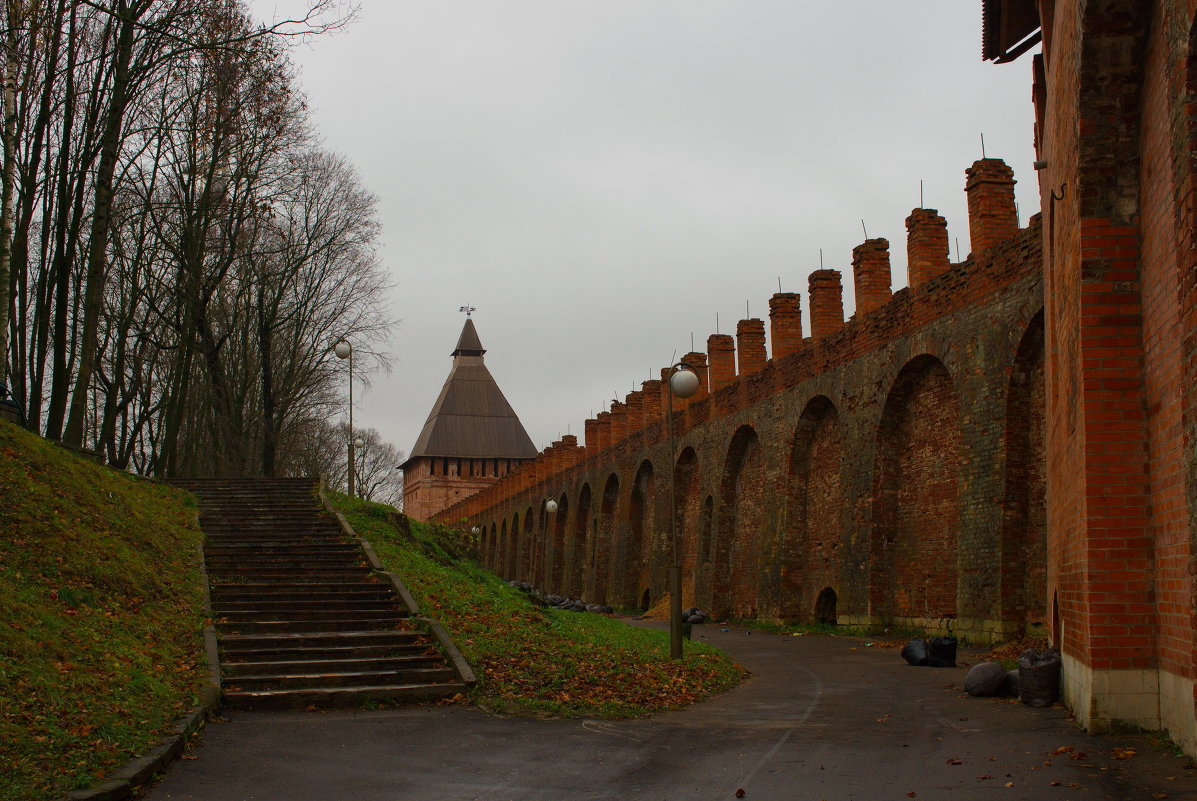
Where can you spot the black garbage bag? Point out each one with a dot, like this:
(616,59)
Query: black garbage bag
(1039,677)
(1012,682)
(985,678)
(915,652)
(941,651)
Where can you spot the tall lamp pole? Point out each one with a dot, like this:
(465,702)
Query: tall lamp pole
(683,382)
(345,351)
(359,444)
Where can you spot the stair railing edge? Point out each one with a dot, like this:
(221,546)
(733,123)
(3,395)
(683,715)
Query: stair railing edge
(450,649)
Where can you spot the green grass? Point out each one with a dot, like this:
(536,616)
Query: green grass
(100,617)
(532,660)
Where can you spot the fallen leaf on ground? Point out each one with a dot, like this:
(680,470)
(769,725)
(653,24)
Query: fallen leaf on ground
(955,762)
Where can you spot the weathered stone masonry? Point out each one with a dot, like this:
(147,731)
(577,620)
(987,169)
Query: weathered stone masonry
(862,476)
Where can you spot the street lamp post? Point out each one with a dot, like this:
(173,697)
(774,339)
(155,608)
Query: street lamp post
(683,382)
(345,351)
(359,443)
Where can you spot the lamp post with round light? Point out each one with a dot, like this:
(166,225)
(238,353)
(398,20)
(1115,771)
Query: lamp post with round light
(683,382)
(359,444)
(344,350)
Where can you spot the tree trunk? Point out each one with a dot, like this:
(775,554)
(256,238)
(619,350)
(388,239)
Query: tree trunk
(13,10)
(97,254)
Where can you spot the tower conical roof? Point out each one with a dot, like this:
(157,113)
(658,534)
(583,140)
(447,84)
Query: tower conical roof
(468,344)
(471,418)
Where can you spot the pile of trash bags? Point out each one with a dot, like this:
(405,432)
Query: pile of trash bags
(1036,681)
(935,652)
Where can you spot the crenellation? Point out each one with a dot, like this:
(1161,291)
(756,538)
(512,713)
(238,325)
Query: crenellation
(927,254)
(721,351)
(750,345)
(826,303)
(871,275)
(785,324)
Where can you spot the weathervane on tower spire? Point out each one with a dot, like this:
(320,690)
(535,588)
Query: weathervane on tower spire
(468,309)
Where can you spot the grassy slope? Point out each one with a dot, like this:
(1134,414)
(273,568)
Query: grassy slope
(100,616)
(533,660)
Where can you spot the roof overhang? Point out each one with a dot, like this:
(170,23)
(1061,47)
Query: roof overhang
(1009,28)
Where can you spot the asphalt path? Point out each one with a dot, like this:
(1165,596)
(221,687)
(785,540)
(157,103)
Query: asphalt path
(820,719)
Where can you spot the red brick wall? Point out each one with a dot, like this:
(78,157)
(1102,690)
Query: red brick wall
(914,574)
(1165,153)
(738,536)
(635,559)
(1024,542)
(972,319)
(811,563)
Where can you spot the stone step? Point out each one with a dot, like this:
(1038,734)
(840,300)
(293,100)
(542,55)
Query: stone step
(241,643)
(324,697)
(309,626)
(308,612)
(322,665)
(224,608)
(281,548)
(273,561)
(313,592)
(251,656)
(299,574)
(284,681)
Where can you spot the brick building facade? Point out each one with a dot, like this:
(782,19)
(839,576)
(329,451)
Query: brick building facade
(1010,443)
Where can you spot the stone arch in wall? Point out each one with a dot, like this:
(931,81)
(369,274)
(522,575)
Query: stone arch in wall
(523,571)
(736,564)
(503,561)
(515,543)
(1024,520)
(635,569)
(688,509)
(540,547)
(579,554)
(916,513)
(556,578)
(488,552)
(604,534)
(704,553)
(814,530)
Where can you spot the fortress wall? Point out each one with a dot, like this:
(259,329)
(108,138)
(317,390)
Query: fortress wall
(860,474)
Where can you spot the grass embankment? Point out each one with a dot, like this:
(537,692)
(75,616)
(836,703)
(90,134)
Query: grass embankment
(533,660)
(100,616)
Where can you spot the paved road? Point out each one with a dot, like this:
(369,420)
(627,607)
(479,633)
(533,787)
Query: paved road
(821,719)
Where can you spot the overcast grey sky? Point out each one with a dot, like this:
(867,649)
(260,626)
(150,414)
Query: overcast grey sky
(601,179)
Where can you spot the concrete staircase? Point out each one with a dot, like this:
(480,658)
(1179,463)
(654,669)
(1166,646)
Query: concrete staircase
(302,619)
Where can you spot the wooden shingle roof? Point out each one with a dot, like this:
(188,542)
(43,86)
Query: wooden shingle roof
(471,418)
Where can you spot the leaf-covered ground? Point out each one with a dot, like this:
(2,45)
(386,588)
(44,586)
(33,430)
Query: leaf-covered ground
(533,660)
(100,616)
